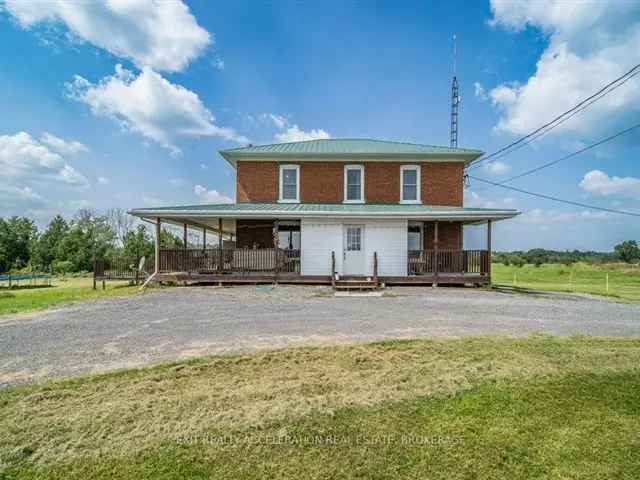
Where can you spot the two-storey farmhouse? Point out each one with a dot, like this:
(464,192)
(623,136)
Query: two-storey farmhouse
(319,210)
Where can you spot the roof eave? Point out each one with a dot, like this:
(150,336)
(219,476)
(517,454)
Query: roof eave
(457,216)
(466,157)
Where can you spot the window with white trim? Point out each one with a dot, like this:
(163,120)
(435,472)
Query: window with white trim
(354,184)
(290,183)
(414,236)
(410,184)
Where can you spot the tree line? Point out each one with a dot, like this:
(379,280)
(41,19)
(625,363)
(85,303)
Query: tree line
(70,245)
(627,251)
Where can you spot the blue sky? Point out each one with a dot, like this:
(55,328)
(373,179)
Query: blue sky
(101,110)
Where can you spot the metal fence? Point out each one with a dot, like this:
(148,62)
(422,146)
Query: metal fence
(25,280)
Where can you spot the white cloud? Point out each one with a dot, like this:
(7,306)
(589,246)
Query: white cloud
(473,199)
(23,158)
(176,182)
(541,216)
(590,44)
(294,134)
(71,147)
(479,91)
(149,105)
(496,167)
(289,132)
(279,121)
(210,196)
(103,180)
(19,197)
(218,64)
(28,167)
(163,35)
(598,182)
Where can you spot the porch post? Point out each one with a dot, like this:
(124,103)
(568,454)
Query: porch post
(157,251)
(185,267)
(489,250)
(436,255)
(276,250)
(220,256)
(204,239)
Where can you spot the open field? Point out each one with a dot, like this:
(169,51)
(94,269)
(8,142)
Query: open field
(479,407)
(624,279)
(61,291)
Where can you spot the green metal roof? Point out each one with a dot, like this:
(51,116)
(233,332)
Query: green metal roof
(348,147)
(301,210)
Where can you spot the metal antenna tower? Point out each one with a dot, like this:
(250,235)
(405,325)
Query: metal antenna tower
(455,99)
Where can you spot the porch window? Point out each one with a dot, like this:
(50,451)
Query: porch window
(410,184)
(354,239)
(289,183)
(353,184)
(414,237)
(289,236)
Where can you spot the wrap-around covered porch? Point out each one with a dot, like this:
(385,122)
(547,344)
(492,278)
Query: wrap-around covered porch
(299,250)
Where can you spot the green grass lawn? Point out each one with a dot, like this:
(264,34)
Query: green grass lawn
(483,407)
(624,280)
(61,291)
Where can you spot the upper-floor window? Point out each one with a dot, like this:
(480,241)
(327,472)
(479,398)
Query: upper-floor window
(290,183)
(353,184)
(410,184)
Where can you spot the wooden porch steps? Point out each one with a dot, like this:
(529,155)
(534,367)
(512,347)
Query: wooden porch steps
(356,284)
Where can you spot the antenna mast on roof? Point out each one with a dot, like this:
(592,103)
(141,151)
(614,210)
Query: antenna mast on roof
(455,98)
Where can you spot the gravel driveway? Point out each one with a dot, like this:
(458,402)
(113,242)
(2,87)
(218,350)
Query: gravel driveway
(179,323)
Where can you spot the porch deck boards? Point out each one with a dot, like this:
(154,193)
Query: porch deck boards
(205,278)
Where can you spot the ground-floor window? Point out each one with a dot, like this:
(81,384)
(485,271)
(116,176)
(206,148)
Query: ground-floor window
(414,237)
(289,236)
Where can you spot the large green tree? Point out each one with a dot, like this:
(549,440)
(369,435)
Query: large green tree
(90,236)
(16,237)
(45,249)
(628,251)
(138,243)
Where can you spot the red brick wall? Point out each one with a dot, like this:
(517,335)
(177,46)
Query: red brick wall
(323,182)
(382,182)
(449,235)
(257,182)
(442,184)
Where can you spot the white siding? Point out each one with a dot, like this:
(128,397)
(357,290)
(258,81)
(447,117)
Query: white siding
(389,240)
(320,237)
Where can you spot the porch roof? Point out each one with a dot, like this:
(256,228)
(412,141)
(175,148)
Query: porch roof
(326,210)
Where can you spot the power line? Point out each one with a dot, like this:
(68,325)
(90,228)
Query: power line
(584,104)
(555,199)
(560,122)
(608,88)
(571,155)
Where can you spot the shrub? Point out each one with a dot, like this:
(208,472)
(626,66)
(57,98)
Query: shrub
(62,267)
(518,261)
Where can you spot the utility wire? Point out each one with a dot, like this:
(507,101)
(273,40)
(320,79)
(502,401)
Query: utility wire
(555,199)
(571,155)
(544,132)
(608,88)
(540,134)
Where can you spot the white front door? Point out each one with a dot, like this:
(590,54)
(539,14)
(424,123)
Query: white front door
(353,250)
